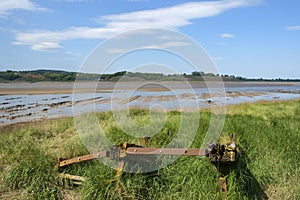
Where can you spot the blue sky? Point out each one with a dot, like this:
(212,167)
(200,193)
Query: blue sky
(249,38)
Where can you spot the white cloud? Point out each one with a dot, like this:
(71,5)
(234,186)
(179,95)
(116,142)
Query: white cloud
(172,17)
(169,17)
(48,40)
(227,35)
(293,28)
(46,46)
(8,5)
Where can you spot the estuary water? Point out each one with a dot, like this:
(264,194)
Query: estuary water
(46,102)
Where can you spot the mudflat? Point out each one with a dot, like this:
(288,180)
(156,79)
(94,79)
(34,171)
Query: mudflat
(102,87)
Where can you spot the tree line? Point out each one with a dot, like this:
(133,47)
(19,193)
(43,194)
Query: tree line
(58,75)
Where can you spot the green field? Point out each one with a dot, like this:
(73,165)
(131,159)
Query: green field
(268,135)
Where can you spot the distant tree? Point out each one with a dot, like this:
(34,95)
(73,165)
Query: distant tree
(195,73)
(122,73)
(9,75)
(70,77)
(54,76)
(210,74)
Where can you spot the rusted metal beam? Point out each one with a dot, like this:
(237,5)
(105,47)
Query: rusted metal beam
(223,187)
(167,151)
(217,153)
(78,159)
(136,151)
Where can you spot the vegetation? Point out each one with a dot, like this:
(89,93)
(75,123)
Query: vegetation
(269,164)
(57,75)
(37,75)
(9,75)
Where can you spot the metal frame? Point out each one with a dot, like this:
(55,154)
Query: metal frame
(218,153)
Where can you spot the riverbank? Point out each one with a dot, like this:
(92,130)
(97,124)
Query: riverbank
(15,88)
(267,135)
(38,101)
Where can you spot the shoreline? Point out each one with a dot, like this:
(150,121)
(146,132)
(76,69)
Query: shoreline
(228,106)
(25,88)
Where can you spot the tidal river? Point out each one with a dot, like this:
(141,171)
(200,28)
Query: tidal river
(21,102)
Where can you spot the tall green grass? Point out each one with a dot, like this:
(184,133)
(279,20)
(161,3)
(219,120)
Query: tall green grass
(268,164)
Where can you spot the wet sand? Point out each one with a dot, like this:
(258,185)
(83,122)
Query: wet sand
(46,100)
(107,87)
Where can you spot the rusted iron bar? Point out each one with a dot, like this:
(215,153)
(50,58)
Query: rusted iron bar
(78,159)
(223,187)
(167,151)
(222,155)
(136,151)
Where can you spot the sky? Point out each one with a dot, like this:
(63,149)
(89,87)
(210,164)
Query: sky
(248,38)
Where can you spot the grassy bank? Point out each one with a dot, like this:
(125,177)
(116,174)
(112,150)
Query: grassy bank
(268,134)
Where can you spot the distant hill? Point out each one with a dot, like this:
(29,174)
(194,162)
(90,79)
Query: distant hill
(60,75)
(44,71)
(37,75)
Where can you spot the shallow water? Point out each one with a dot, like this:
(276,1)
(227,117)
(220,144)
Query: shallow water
(20,108)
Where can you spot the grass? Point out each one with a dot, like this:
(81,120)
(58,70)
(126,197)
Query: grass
(268,134)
